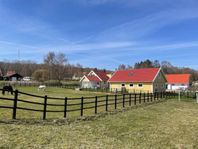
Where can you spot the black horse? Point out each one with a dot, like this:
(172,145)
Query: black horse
(7,88)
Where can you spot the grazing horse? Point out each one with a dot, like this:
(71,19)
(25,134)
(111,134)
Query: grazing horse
(7,88)
(42,87)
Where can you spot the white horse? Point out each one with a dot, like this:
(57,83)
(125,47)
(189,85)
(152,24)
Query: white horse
(41,87)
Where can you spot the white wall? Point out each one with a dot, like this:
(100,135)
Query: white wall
(177,86)
(89,84)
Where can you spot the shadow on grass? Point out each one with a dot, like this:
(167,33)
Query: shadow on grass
(67,121)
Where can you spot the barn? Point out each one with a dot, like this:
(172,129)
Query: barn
(12,76)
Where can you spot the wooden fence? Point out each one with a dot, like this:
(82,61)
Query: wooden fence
(80,104)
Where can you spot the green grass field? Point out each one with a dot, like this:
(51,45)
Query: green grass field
(167,124)
(50,92)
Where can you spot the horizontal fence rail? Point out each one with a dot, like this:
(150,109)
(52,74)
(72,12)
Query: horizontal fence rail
(81,104)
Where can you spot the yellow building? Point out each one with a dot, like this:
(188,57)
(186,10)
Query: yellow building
(138,80)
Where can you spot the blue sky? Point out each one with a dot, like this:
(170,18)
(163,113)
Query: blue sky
(100,33)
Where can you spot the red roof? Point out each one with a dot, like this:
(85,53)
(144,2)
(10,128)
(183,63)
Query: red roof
(178,78)
(93,78)
(102,75)
(135,75)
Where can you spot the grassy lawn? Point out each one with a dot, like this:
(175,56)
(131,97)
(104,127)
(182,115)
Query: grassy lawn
(168,124)
(57,92)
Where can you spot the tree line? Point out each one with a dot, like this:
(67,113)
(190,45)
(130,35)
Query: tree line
(166,66)
(55,66)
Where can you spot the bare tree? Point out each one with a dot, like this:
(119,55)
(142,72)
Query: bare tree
(121,67)
(56,64)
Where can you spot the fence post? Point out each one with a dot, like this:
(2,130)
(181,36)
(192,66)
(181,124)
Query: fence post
(123,104)
(107,103)
(144,97)
(129,99)
(140,97)
(157,95)
(15,105)
(115,101)
(65,108)
(96,104)
(135,100)
(45,107)
(148,97)
(179,96)
(81,109)
(154,96)
(196,93)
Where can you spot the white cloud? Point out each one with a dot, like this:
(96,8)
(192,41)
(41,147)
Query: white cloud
(141,27)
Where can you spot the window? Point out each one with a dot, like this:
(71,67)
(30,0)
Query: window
(131,85)
(140,85)
(123,85)
(156,85)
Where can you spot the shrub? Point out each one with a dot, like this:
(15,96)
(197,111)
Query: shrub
(53,83)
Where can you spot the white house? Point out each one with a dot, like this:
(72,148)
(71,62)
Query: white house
(178,81)
(95,79)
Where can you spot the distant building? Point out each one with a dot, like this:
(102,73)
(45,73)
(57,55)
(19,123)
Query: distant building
(76,77)
(12,76)
(195,83)
(95,79)
(178,81)
(138,80)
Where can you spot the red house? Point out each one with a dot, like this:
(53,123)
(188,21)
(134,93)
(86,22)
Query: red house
(178,81)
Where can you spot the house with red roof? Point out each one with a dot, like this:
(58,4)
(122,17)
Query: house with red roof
(138,80)
(178,81)
(95,79)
